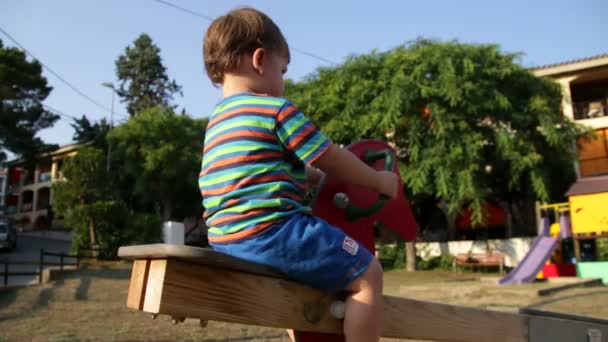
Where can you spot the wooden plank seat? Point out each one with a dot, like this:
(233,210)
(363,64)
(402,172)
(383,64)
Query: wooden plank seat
(192,282)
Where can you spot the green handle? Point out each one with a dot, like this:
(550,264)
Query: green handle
(353,212)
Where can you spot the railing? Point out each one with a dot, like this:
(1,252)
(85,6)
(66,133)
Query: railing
(589,109)
(44,177)
(5,265)
(27,207)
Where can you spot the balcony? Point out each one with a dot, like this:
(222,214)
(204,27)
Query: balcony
(27,207)
(44,177)
(590,109)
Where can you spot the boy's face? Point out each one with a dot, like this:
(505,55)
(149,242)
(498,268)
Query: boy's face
(270,67)
(274,67)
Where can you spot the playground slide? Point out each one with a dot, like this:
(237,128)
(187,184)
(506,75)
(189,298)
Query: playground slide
(533,262)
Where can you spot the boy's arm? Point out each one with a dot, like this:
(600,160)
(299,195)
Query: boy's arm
(298,135)
(345,166)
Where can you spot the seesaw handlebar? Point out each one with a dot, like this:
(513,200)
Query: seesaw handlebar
(353,212)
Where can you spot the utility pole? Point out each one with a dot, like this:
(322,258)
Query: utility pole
(109,156)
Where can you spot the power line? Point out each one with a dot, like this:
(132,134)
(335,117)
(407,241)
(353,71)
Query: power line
(58,112)
(68,116)
(78,91)
(208,18)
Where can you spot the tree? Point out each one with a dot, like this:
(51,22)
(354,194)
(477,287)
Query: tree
(86,183)
(469,123)
(94,133)
(159,156)
(143,77)
(89,203)
(22,90)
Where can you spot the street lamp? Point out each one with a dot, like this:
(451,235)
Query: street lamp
(111,86)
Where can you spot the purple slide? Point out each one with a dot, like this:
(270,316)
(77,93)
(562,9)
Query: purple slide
(532,263)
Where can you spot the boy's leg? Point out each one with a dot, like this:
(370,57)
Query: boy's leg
(363,315)
(292,335)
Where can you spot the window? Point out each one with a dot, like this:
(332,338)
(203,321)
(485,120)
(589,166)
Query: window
(593,155)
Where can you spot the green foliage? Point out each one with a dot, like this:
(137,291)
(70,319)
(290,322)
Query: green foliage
(109,221)
(86,181)
(159,157)
(143,228)
(114,226)
(442,262)
(493,129)
(144,80)
(93,133)
(602,249)
(22,90)
(392,256)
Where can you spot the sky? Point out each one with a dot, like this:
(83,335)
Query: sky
(81,40)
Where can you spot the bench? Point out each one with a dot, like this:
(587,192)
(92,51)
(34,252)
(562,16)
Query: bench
(496,259)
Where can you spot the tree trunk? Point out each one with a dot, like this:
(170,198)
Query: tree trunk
(451,221)
(508,219)
(92,234)
(94,247)
(410,256)
(166,208)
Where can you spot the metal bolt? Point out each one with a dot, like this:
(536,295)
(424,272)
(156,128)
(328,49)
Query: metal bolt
(340,200)
(337,309)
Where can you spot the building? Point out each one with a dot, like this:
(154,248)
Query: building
(29,195)
(584,84)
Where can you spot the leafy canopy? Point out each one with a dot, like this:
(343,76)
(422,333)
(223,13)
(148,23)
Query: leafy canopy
(143,77)
(468,121)
(22,116)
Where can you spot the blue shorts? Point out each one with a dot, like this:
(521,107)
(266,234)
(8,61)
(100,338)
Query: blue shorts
(307,249)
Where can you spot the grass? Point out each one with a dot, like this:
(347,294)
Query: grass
(90,305)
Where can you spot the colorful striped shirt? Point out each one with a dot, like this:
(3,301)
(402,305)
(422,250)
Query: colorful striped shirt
(253,168)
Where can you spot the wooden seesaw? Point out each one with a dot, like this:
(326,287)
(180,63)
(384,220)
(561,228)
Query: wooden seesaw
(190,282)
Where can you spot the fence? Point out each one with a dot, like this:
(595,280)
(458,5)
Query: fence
(6,273)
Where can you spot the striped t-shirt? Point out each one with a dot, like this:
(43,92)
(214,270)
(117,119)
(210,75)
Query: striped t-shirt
(253,168)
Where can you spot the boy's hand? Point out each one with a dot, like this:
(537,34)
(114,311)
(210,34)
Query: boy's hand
(313,176)
(388,183)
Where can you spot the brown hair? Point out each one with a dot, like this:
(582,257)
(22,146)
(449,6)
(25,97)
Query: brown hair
(236,33)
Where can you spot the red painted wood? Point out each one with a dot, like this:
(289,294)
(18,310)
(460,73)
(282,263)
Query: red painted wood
(395,215)
(559,270)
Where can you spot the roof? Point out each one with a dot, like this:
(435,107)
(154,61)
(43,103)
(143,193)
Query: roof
(571,65)
(590,185)
(58,151)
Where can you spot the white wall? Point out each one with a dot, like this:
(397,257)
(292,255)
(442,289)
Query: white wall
(515,249)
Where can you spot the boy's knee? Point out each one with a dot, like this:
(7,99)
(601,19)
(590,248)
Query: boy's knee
(375,274)
(370,279)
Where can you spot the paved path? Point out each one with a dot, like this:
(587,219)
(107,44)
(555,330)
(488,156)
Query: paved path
(28,250)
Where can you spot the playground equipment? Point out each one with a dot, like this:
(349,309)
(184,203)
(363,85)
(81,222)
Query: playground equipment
(570,241)
(190,282)
(533,262)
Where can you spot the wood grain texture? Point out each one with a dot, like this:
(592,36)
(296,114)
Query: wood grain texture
(205,256)
(154,285)
(414,319)
(211,293)
(137,285)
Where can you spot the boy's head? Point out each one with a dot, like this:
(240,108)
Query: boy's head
(247,43)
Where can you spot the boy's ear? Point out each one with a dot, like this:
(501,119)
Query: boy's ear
(259,58)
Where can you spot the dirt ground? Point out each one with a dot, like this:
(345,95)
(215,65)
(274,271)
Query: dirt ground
(90,305)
